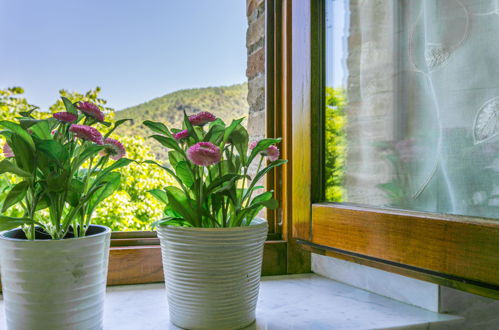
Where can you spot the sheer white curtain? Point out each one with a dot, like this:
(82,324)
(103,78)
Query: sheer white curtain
(423,111)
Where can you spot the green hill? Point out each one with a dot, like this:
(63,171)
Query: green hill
(226,102)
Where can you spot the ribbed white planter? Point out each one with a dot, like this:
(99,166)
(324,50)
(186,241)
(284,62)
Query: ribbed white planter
(213,274)
(54,284)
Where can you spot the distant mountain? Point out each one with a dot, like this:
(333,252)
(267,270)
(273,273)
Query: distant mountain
(225,102)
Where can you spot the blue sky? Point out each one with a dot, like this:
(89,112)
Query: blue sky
(337,24)
(135,50)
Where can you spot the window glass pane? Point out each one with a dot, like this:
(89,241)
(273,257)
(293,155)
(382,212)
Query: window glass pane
(151,60)
(412,105)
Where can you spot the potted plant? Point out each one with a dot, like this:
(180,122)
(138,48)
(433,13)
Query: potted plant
(54,267)
(211,238)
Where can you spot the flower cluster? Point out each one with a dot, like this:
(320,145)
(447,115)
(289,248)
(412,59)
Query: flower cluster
(272,151)
(90,110)
(69,160)
(87,133)
(66,117)
(181,135)
(114,149)
(211,163)
(204,154)
(202,118)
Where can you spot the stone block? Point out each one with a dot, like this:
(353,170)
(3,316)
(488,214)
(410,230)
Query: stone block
(256,124)
(256,31)
(251,5)
(256,63)
(256,88)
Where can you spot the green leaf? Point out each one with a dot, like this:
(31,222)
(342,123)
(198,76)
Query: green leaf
(223,183)
(240,139)
(190,128)
(103,175)
(178,201)
(167,142)
(231,128)
(43,203)
(28,113)
(260,174)
(15,128)
(169,171)
(74,193)
(105,123)
(170,213)
(160,195)
(215,134)
(90,151)
(8,166)
(184,173)
(28,122)
(110,183)
(8,223)
(171,221)
(217,121)
(53,149)
(247,214)
(158,127)
(69,106)
(271,204)
(57,182)
(174,157)
(24,154)
(15,195)
(266,196)
(122,162)
(43,129)
(117,124)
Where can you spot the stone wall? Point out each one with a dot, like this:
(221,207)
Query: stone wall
(255,44)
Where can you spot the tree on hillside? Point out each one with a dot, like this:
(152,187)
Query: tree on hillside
(12,102)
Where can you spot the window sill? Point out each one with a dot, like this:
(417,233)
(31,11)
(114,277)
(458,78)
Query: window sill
(286,302)
(133,263)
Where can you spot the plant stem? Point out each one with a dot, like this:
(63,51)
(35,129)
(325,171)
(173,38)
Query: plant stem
(200,196)
(258,170)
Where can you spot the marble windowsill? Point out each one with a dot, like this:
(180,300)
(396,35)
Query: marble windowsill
(286,302)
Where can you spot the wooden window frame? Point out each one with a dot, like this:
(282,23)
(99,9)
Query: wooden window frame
(455,251)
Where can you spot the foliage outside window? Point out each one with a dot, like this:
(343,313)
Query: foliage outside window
(335,143)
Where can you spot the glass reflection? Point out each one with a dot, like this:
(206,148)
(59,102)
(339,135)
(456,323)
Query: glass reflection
(412,105)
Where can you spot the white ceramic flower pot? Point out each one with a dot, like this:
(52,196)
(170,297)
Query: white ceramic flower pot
(54,284)
(213,274)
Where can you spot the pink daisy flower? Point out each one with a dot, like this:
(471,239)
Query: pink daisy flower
(181,135)
(87,133)
(7,151)
(66,117)
(114,149)
(204,154)
(91,110)
(201,118)
(272,152)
